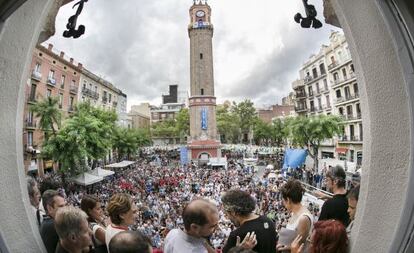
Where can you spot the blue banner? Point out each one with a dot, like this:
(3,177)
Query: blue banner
(183,156)
(294,158)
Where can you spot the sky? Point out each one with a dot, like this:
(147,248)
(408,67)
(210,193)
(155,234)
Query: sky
(142,46)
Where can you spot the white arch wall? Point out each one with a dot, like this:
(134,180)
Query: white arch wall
(387,125)
(17,40)
(386,114)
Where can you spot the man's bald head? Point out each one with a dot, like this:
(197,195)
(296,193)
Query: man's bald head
(130,242)
(198,212)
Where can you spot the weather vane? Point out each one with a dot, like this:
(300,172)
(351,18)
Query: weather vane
(310,18)
(71,26)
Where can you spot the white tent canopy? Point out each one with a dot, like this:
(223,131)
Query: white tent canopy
(122,164)
(98,171)
(218,162)
(87,179)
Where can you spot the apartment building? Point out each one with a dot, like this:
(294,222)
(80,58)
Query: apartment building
(327,85)
(52,74)
(102,93)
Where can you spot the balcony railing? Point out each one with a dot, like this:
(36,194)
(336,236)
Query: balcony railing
(90,93)
(51,81)
(307,79)
(346,98)
(36,75)
(30,124)
(344,80)
(31,99)
(332,65)
(301,94)
(73,89)
(320,108)
(300,109)
(352,138)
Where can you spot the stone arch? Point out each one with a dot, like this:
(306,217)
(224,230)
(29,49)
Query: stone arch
(203,154)
(386,94)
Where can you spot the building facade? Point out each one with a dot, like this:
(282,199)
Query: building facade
(203,143)
(102,93)
(275,112)
(51,75)
(328,85)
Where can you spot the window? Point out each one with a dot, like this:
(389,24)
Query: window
(319,103)
(202,91)
(201,56)
(322,68)
(356,92)
(341,111)
(71,103)
(317,88)
(338,93)
(344,73)
(30,117)
(48,93)
(347,92)
(315,73)
(62,82)
(333,59)
(60,100)
(328,102)
(96,89)
(310,91)
(312,106)
(325,84)
(37,67)
(336,76)
(110,97)
(51,74)
(352,68)
(349,111)
(33,92)
(29,139)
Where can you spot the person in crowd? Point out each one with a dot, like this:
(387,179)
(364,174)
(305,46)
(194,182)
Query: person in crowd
(239,208)
(328,236)
(122,212)
(336,207)
(130,242)
(92,207)
(52,202)
(301,220)
(353,196)
(34,197)
(200,219)
(73,230)
(46,184)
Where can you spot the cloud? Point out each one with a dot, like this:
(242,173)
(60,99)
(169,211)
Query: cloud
(143,46)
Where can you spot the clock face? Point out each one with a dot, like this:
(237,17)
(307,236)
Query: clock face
(200,14)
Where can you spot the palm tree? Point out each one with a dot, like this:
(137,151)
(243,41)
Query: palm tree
(48,113)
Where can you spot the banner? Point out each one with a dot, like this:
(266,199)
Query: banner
(294,158)
(183,155)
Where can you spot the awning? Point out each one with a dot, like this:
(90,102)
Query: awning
(120,164)
(341,150)
(101,172)
(87,179)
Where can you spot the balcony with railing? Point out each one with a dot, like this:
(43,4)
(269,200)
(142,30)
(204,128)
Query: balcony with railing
(346,98)
(307,79)
(30,124)
(336,65)
(350,138)
(36,75)
(90,93)
(301,109)
(300,94)
(351,117)
(345,80)
(332,65)
(73,89)
(51,81)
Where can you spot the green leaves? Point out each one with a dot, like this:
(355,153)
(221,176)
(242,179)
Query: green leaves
(48,113)
(127,141)
(87,135)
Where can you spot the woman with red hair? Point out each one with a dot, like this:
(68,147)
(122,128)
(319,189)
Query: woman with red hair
(329,236)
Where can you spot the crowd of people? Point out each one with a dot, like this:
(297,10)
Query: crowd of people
(215,210)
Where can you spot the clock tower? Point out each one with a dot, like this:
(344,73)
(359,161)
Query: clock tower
(203,143)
